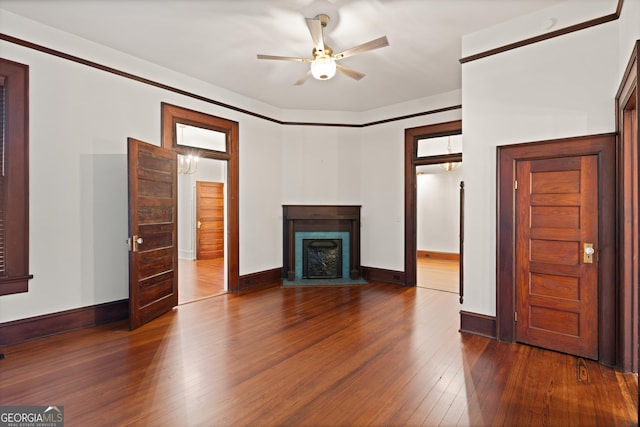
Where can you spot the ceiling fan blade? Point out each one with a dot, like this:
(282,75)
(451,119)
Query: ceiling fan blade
(364,47)
(284,58)
(356,75)
(303,78)
(315,28)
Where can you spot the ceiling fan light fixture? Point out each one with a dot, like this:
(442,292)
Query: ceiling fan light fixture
(323,61)
(323,67)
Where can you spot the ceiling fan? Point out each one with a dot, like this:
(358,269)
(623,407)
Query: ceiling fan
(323,63)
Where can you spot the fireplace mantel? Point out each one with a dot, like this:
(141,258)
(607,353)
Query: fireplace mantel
(320,218)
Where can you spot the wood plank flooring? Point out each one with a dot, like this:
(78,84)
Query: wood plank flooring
(199,279)
(376,354)
(440,274)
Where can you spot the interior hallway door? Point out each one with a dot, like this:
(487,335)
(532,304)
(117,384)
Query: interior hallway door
(557,254)
(209,220)
(153,254)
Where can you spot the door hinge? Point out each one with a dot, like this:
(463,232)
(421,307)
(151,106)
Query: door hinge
(515,184)
(515,316)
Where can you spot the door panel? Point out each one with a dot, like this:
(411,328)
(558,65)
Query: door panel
(557,292)
(153,259)
(210,220)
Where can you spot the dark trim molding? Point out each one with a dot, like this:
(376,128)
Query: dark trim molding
(92,64)
(117,72)
(562,31)
(46,325)
(381,275)
(261,278)
(478,324)
(409,116)
(577,27)
(627,118)
(411,160)
(447,256)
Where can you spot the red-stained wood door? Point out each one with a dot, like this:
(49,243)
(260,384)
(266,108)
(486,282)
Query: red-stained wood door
(209,220)
(556,279)
(153,255)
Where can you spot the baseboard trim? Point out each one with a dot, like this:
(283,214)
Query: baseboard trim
(446,256)
(46,325)
(478,324)
(261,278)
(382,275)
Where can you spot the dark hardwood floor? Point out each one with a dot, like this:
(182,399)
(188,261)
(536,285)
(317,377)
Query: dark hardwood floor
(375,354)
(199,279)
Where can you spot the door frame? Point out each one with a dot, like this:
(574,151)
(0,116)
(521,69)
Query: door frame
(171,115)
(603,146)
(411,161)
(627,117)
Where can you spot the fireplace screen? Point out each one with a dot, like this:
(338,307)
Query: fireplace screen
(321,258)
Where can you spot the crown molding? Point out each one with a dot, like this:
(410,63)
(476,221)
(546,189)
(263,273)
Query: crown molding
(59,54)
(542,37)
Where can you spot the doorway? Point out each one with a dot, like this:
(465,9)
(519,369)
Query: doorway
(225,150)
(541,245)
(438,213)
(428,147)
(201,231)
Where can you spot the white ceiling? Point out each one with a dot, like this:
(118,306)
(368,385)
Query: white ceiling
(217,41)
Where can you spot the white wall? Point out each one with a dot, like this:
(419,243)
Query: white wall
(629,33)
(438,211)
(321,165)
(382,178)
(561,87)
(80,118)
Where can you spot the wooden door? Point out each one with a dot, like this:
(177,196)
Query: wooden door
(153,255)
(209,220)
(557,286)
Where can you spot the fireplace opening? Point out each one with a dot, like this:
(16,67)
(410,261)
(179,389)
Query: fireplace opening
(322,258)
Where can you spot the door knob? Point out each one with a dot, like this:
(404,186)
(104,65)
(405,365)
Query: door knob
(587,257)
(134,242)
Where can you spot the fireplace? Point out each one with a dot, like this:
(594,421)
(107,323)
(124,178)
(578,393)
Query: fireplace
(321,258)
(321,242)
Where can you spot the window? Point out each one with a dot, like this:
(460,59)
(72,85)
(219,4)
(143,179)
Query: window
(14,177)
